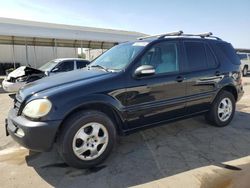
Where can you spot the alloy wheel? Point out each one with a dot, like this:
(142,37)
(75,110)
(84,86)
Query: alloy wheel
(90,141)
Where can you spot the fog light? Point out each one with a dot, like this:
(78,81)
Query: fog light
(20,132)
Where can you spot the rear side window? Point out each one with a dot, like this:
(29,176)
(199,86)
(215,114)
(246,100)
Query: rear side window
(196,55)
(211,61)
(81,64)
(229,52)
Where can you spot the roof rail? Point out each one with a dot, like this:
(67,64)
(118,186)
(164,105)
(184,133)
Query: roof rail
(180,33)
(202,35)
(160,36)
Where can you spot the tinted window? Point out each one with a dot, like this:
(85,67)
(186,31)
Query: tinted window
(210,58)
(163,57)
(196,55)
(81,64)
(229,52)
(66,66)
(242,56)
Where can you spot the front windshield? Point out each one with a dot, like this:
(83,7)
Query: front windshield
(118,57)
(49,66)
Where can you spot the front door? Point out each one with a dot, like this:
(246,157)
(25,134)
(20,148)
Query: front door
(160,97)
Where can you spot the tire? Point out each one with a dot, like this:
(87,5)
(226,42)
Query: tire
(80,144)
(219,108)
(244,71)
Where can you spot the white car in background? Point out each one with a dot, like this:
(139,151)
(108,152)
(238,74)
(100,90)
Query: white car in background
(245,62)
(23,75)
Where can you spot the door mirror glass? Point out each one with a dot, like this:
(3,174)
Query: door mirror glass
(144,70)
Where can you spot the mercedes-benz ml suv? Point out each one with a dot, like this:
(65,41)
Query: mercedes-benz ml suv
(134,85)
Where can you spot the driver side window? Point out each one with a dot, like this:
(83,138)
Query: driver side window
(65,66)
(163,57)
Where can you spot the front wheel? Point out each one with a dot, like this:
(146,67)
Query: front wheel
(222,110)
(86,139)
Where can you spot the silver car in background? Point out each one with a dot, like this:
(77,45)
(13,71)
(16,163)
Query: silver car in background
(23,75)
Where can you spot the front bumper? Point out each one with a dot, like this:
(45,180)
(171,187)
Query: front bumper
(38,136)
(12,87)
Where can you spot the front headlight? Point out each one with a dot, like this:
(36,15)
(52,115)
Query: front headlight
(37,108)
(21,79)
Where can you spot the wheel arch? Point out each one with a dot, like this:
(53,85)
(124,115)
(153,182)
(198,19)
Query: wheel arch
(230,88)
(100,106)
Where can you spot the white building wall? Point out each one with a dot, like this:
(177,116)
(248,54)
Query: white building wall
(37,55)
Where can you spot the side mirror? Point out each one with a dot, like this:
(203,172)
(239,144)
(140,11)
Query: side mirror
(46,73)
(55,69)
(144,70)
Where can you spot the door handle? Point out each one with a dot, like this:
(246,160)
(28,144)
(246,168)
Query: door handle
(180,78)
(217,73)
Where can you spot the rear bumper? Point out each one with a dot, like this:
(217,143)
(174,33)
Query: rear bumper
(240,92)
(37,136)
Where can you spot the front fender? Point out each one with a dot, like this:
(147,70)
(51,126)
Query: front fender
(64,109)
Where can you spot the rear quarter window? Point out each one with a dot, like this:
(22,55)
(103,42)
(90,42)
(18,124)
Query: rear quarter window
(229,52)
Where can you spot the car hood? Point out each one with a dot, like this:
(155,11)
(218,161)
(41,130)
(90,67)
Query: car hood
(62,79)
(23,71)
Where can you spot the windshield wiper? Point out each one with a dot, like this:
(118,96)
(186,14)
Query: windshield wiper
(99,66)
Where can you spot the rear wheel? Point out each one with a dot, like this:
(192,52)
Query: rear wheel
(222,109)
(87,139)
(244,71)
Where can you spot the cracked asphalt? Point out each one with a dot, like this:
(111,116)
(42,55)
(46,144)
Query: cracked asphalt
(187,153)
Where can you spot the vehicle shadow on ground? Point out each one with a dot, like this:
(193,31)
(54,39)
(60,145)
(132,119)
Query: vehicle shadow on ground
(153,154)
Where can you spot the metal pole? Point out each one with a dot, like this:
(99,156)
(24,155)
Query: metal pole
(55,47)
(35,59)
(81,50)
(76,53)
(102,47)
(26,51)
(89,50)
(13,52)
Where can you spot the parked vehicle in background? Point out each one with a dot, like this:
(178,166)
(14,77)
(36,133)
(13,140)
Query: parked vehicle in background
(133,85)
(23,75)
(245,62)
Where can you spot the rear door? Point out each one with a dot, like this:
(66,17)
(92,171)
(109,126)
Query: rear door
(202,74)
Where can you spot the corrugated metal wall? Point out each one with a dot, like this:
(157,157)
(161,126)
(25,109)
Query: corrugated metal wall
(36,56)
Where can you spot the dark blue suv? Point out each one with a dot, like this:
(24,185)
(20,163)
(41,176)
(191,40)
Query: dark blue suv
(134,85)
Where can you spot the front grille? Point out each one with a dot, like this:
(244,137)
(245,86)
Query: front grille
(17,103)
(13,80)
